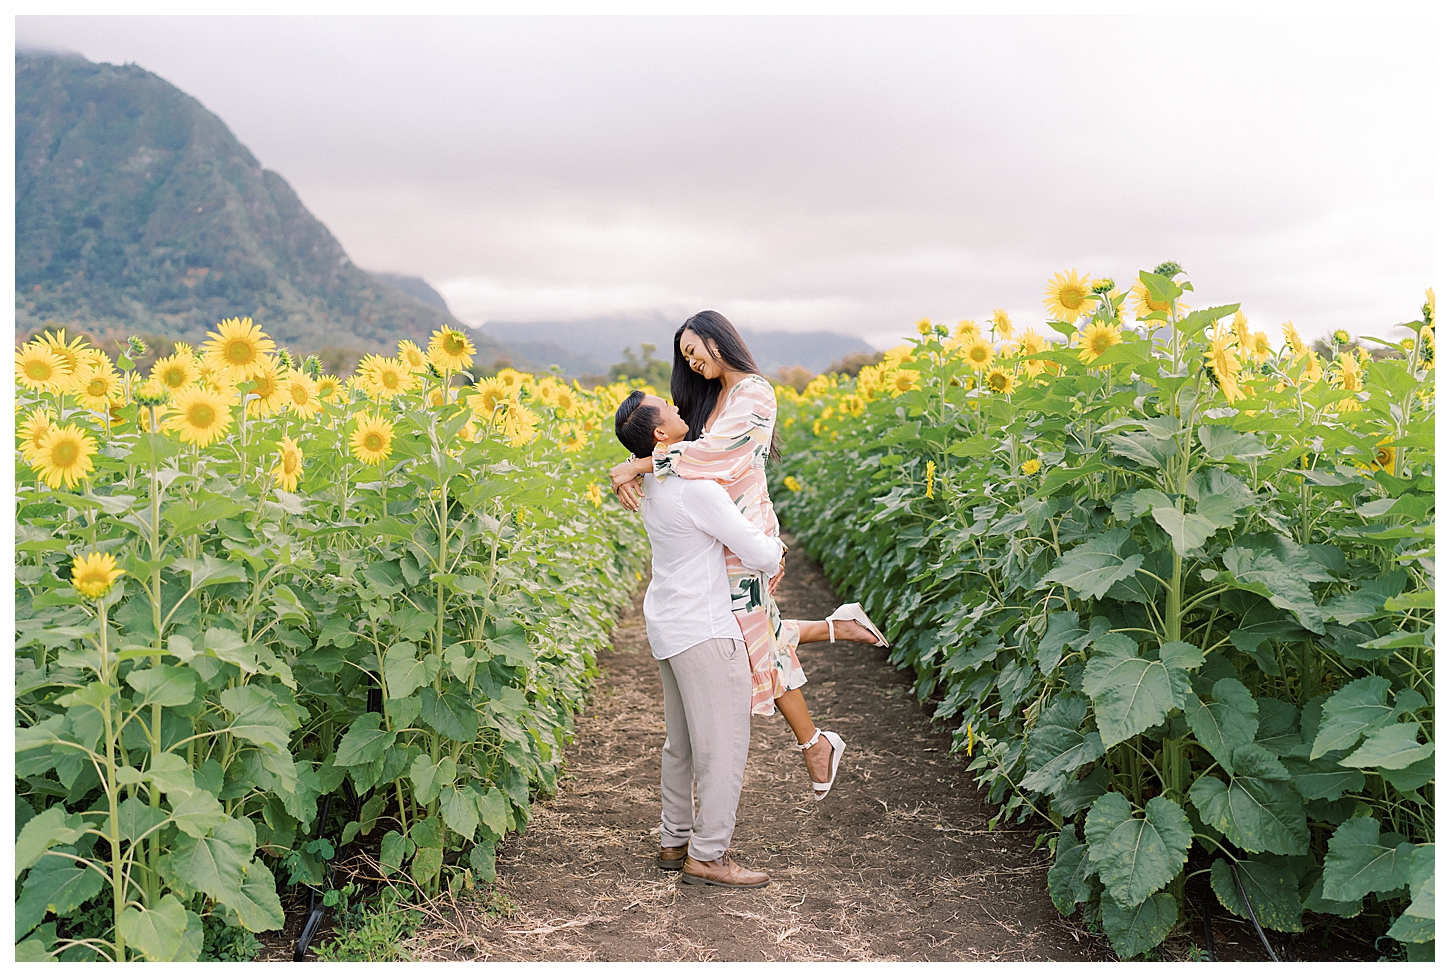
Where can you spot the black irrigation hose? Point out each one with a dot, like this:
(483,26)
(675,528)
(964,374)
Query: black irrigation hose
(1205,909)
(1255,919)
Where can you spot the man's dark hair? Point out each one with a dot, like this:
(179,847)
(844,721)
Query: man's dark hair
(635,423)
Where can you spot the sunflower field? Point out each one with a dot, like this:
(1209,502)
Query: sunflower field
(1171,581)
(247,594)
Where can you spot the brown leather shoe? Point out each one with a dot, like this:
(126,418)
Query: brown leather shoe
(671,859)
(723,872)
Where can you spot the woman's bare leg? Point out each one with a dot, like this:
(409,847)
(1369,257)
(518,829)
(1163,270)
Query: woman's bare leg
(792,706)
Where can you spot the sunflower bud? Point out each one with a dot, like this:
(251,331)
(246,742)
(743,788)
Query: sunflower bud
(1341,336)
(152,394)
(312,366)
(284,356)
(1168,269)
(135,346)
(433,371)
(1103,286)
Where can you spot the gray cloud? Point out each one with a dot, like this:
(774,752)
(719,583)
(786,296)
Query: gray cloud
(846,173)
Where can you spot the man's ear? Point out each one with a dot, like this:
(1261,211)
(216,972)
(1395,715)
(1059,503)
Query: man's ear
(661,435)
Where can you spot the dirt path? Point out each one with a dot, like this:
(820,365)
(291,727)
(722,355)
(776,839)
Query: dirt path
(896,864)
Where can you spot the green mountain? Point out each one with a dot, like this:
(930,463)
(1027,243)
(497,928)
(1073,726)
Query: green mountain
(138,211)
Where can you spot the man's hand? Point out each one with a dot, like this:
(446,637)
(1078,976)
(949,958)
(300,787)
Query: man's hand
(779,575)
(629,493)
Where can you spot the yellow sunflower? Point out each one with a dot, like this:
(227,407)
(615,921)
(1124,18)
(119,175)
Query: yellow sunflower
(1031,466)
(1260,349)
(238,349)
(1221,358)
(72,351)
(328,387)
(1313,368)
(175,371)
(90,356)
(1002,325)
(372,439)
(923,326)
(40,368)
(1244,341)
(94,574)
(289,465)
(1291,336)
(266,397)
(97,388)
(519,425)
(32,431)
(450,350)
(978,354)
(199,416)
(299,394)
(1000,380)
(793,483)
(572,438)
(1384,455)
(514,378)
(1144,304)
(1351,375)
(1069,296)
(64,455)
(412,357)
(488,394)
(179,348)
(967,331)
(903,380)
(384,378)
(595,497)
(1096,340)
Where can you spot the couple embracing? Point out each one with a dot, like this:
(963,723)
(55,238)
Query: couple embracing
(724,652)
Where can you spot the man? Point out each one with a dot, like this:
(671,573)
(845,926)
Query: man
(701,654)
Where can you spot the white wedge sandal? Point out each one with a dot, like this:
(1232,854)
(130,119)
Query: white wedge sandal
(838,747)
(853,612)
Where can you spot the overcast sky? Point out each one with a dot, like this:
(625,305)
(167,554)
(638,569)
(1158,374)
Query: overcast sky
(851,174)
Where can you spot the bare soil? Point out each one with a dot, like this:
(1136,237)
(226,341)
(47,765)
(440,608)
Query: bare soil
(896,863)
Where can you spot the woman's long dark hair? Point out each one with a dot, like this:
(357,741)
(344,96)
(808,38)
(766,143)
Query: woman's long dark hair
(694,395)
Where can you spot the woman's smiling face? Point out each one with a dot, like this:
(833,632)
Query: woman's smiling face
(700,357)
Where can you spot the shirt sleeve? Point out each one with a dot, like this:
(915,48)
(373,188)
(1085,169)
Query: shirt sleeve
(710,509)
(727,450)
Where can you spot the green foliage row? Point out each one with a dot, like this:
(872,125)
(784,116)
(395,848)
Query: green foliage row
(1195,635)
(412,637)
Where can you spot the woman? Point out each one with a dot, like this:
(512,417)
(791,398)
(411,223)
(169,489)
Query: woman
(731,410)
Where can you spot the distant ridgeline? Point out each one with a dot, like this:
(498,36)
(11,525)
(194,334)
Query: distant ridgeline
(137,211)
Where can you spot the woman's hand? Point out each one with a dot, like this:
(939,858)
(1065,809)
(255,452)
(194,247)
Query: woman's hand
(779,575)
(628,471)
(629,494)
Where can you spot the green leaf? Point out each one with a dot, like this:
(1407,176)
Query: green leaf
(170,773)
(1135,929)
(1180,654)
(217,864)
(228,646)
(1222,443)
(363,742)
(1189,531)
(1130,693)
(160,932)
(1273,892)
(450,715)
(137,818)
(1137,856)
(395,851)
(1263,573)
(255,902)
(1258,809)
(1093,567)
(1351,712)
(1367,601)
(493,811)
(51,827)
(1142,448)
(166,685)
(1358,863)
(1064,630)
(1129,505)
(1230,721)
(459,808)
(1392,747)
(1417,923)
(257,717)
(208,571)
(1067,882)
(403,670)
(197,813)
(1262,621)
(426,863)
(58,886)
(1322,779)
(1055,748)
(428,778)
(481,858)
